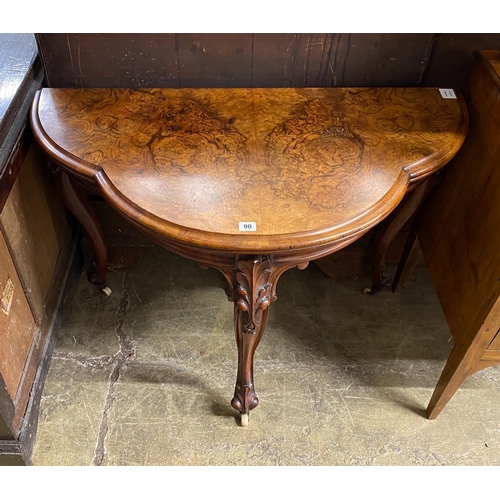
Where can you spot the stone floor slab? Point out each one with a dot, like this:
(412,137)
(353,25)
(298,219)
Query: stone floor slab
(343,378)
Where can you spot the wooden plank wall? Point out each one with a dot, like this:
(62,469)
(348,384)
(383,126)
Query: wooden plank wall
(260,60)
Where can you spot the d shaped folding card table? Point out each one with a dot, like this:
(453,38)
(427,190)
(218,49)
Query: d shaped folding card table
(251,182)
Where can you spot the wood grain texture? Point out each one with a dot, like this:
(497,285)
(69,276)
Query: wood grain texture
(13,165)
(382,59)
(203,61)
(18,329)
(458,236)
(261,60)
(27,224)
(290,60)
(458,243)
(309,166)
(311,169)
(108,60)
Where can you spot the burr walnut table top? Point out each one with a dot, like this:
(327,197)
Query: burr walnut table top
(307,166)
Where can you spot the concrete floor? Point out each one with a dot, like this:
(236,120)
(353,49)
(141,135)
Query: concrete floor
(146,376)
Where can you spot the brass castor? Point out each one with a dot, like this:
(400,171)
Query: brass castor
(244,419)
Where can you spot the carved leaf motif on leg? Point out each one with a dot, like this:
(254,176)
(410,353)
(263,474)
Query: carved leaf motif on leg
(253,292)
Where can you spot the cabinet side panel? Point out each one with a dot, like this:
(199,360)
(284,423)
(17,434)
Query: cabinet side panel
(17,324)
(458,231)
(29,229)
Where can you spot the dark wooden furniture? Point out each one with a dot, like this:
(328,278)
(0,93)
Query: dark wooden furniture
(460,239)
(251,182)
(35,253)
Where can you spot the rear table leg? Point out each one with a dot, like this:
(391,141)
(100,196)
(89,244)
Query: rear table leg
(390,227)
(75,200)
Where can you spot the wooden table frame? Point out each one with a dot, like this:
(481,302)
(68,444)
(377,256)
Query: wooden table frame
(424,133)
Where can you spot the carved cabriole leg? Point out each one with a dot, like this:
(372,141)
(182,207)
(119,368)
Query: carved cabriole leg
(390,227)
(252,282)
(75,200)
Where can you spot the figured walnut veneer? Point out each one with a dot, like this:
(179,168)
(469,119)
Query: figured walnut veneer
(309,166)
(313,168)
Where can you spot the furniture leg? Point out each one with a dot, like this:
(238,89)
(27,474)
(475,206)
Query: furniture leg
(248,335)
(252,292)
(389,228)
(454,374)
(459,366)
(77,203)
(409,260)
(467,357)
(252,282)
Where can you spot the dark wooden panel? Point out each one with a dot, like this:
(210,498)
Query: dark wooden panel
(260,60)
(7,412)
(208,60)
(109,60)
(290,60)
(453,61)
(378,60)
(12,167)
(55,56)
(234,60)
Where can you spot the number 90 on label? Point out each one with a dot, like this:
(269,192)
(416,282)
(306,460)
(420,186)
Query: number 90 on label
(247,226)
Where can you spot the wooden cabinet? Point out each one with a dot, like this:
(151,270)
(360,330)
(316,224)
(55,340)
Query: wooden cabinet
(19,331)
(460,238)
(35,251)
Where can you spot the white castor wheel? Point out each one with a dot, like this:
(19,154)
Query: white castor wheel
(106,291)
(244,419)
(367,291)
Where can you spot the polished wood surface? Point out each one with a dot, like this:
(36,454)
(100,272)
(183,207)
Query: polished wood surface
(308,166)
(313,169)
(459,237)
